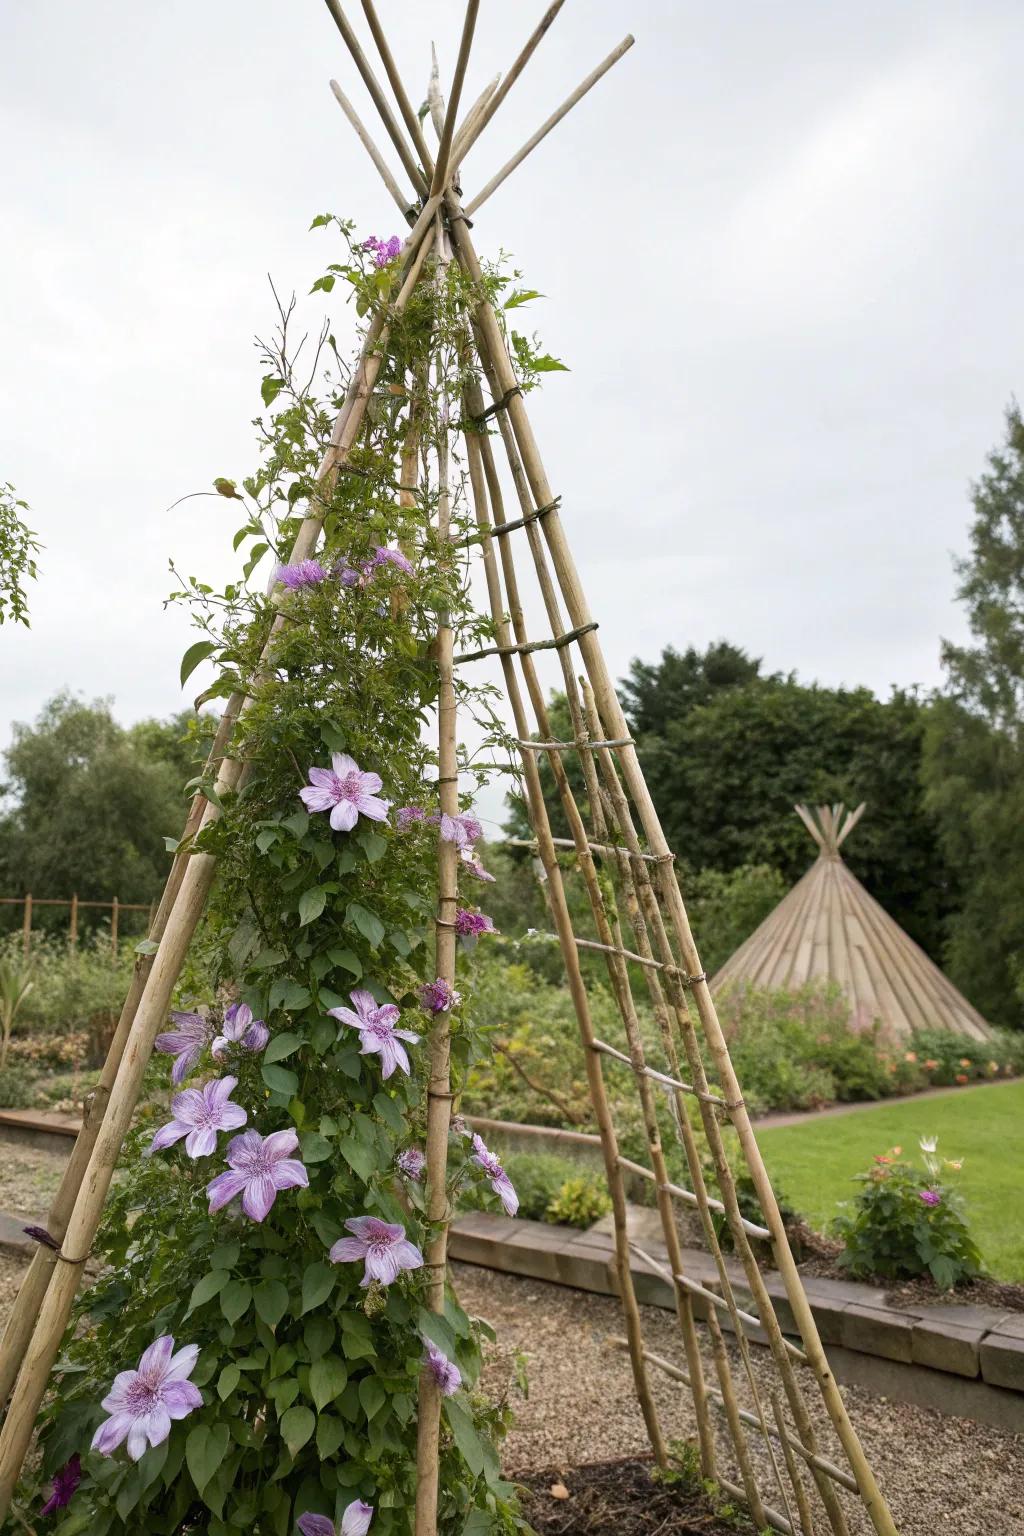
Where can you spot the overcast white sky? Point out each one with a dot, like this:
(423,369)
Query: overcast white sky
(781,248)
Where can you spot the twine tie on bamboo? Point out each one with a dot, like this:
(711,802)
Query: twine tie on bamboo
(527,648)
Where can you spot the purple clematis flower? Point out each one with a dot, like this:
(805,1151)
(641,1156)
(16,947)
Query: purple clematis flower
(458,1126)
(383,556)
(444,1371)
(199,1113)
(439,996)
(930,1196)
(408,816)
(383,1245)
(383,251)
(500,1181)
(307,573)
(377,1032)
(470,925)
(354,1522)
(64,1484)
(473,866)
(187,1042)
(259,1166)
(462,830)
(240,1028)
(411,1163)
(345,791)
(142,1403)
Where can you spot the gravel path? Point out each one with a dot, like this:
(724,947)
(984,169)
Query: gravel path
(28,1178)
(940,1474)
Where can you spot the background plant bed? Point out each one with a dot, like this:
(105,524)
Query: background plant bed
(621,1497)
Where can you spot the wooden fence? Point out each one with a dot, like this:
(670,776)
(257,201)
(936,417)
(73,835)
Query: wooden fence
(28,903)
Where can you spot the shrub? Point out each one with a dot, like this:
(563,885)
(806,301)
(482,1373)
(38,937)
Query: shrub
(75,992)
(580,1202)
(946,1060)
(550,1188)
(17,1085)
(908,1221)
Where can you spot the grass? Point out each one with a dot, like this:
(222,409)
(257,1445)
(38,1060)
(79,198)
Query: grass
(814,1162)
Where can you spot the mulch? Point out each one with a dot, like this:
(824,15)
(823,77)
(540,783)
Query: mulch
(619,1497)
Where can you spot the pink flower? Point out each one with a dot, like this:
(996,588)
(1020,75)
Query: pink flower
(354,1522)
(383,1245)
(377,1032)
(500,1181)
(470,925)
(142,1403)
(384,556)
(383,251)
(199,1113)
(408,816)
(462,830)
(187,1042)
(345,791)
(444,1371)
(258,1167)
(240,1028)
(64,1484)
(929,1196)
(439,996)
(411,1163)
(307,573)
(474,867)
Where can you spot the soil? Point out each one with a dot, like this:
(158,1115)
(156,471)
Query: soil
(616,1496)
(819,1256)
(28,1178)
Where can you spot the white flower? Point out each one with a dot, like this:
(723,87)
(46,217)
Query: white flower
(928,1143)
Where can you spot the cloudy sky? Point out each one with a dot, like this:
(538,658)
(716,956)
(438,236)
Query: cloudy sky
(781,252)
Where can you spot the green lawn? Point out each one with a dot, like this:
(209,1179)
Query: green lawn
(813,1163)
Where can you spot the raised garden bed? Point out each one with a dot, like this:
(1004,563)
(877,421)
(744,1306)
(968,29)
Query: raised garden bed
(619,1496)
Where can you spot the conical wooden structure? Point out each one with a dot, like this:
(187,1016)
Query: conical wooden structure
(829,928)
(789,1452)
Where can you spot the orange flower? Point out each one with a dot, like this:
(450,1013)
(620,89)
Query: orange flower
(879,1158)
(896,1151)
(910,1056)
(930,1064)
(962,1077)
(965,1061)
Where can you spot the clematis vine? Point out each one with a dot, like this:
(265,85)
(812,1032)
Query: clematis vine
(382,1246)
(259,1167)
(439,996)
(346,792)
(411,1163)
(500,1181)
(186,1042)
(142,1403)
(409,816)
(306,573)
(383,251)
(444,1371)
(63,1487)
(377,1033)
(473,866)
(240,1028)
(354,1522)
(382,556)
(462,830)
(470,925)
(198,1114)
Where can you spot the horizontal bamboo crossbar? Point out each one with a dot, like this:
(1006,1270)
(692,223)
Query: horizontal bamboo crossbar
(659,1077)
(556,643)
(574,746)
(498,530)
(719,1302)
(569,845)
(689,1198)
(53,901)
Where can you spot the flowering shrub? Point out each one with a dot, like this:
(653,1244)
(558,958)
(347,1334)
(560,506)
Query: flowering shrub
(249,1358)
(908,1221)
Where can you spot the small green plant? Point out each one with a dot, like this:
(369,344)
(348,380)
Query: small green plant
(579,1202)
(15,985)
(908,1221)
(17,1086)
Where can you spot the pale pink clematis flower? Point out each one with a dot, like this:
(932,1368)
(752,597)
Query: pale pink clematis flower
(240,1028)
(500,1181)
(474,867)
(462,830)
(142,1403)
(354,1522)
(377,1032)
(187,1042)
(444,1371)
(346,792)
(382,1245)
(198,1114)
(258,1168)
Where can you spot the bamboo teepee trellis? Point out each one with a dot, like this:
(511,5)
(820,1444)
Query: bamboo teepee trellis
(829,928)
(627,870)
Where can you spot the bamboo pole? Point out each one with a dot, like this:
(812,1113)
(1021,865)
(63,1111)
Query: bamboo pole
(377,96)
(374,153)
(515,70)
(546,127)
(441,165)
(113,927)
(736,1433)
(409,117)
(182,920)
(73,930)
(439,1098)
(26,929)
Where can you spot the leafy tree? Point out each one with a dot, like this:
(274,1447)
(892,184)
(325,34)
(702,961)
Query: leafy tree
(18,549)
(973,748)
(91,803)
(673,686)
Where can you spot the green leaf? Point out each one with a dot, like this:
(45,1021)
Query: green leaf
(372,844)
(280,1079)
(267,959)
(311,904)
(330,1432)
(360,1158)
(346,961)
(296,1426)
(367,922)
(465,1436)
(372,1395)
(228,1380)
(520,296)
(147,947)
(280,1046)
(234,1303)
(548,364)
(317,1284)
(193,656)
(297,823)
(271,1298)
(315,1148)
(204,1451)
(318,1335)
(271,388)
(327,1380)
(205,1289)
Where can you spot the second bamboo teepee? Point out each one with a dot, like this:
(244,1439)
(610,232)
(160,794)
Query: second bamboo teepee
(830,929)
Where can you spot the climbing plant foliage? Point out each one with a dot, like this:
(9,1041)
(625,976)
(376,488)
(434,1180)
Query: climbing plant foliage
(301,1377)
